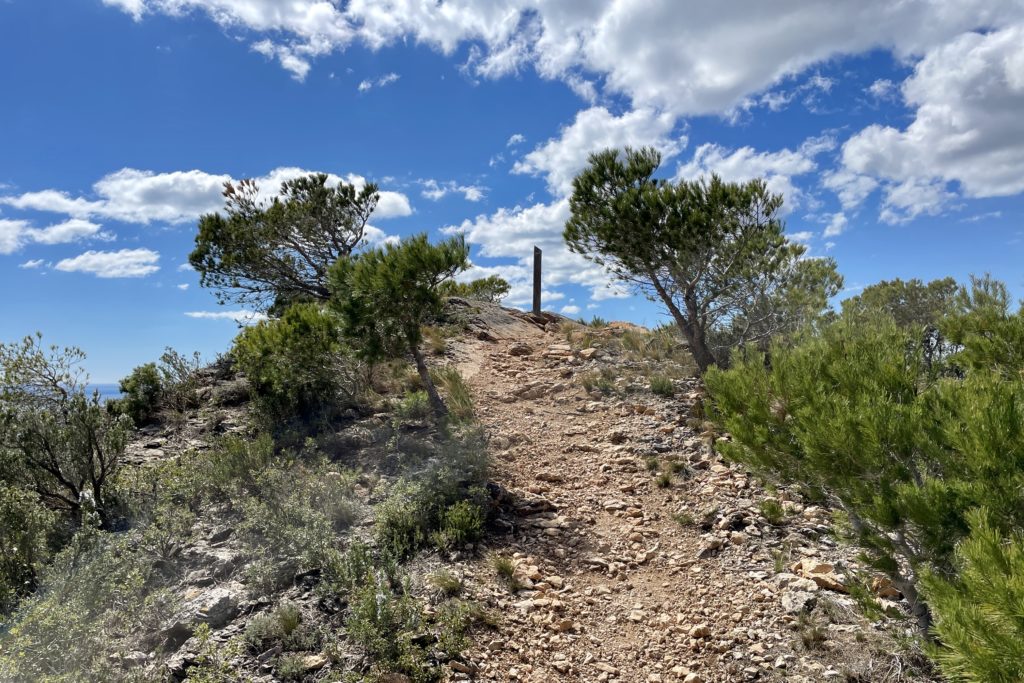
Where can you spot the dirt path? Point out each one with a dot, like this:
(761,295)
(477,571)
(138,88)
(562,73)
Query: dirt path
(613,586)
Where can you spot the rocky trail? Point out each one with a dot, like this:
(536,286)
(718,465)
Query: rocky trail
(625,574)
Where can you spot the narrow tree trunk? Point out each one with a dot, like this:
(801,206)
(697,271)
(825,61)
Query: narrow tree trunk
(440,410)
(702,356)
(918,607)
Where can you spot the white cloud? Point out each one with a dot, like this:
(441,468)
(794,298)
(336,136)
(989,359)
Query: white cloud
(571,309)
(113,264)
(852,188)
(560,159)
(71,230)
(242,317)
(136,196)
(183,286)
(882,89)
(967,129)
(435,190)
(802,236)
(516,139)
(387,79)
(185,267)
(33,263)
(513,233)
(743,164)
(12,235)
(836,225)
(705,59)
(365,85)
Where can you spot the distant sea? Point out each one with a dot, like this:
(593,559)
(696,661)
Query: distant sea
(107,391)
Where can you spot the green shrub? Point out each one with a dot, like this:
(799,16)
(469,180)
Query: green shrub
(415,405)
(385,622)
(856,414)
(602,381)
(141,394)
(461,523)
(772,511)
(979,620)
(26,528)
(282,626)
(662,386)
(298,366)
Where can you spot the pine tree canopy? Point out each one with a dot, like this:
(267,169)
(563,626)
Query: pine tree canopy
(385,295)
(279,251)
(714,253)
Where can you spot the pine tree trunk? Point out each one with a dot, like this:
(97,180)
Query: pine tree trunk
(440,410)
(702,356)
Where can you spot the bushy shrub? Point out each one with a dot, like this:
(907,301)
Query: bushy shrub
(978,613)
(299,368)
(415,405)
(154,389)
(418,506)
(662,386)
(25,531)
(284,625)
(141,393)
(95,600)
(384,622)
(460,524)
(855,415)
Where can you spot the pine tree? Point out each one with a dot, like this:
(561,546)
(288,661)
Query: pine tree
(714,253)
(385,295)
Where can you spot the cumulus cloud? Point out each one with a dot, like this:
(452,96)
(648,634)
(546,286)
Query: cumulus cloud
(516,139)
(704,60)
(242,317)
(136,196)
(31,264)
(112,264)
(570,309)
(837,223)
(739,165)
(967,136)
(561,158)
(15,234)
(513,233)
(183,286)
(435,190)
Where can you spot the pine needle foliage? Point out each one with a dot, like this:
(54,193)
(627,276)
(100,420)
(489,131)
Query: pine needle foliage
(980,612)
(854,414)
(385,296)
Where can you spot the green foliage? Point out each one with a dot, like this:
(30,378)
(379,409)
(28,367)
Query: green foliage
(714,253)
(384,622)
(912,303)
(414,406)
(299,368)
(980,612)
(54,439)
(491,288)
(855,415)
(447,583)
(141,392)
(662,386)
(262,253)
(602,380)
(94,594)
(597,321)
(460,524)
(26,528)
(446,497)
(987,335)
(152,388)
(284,626)
(772,511)
(385,296)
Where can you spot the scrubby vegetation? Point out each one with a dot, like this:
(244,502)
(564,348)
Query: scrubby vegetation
(491,288)
(912,425)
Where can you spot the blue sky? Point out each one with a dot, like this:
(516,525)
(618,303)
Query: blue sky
(894,132)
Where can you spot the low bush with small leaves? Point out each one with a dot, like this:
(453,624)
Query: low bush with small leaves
(772,511)
(662,386)
(415,405)
(461,523)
